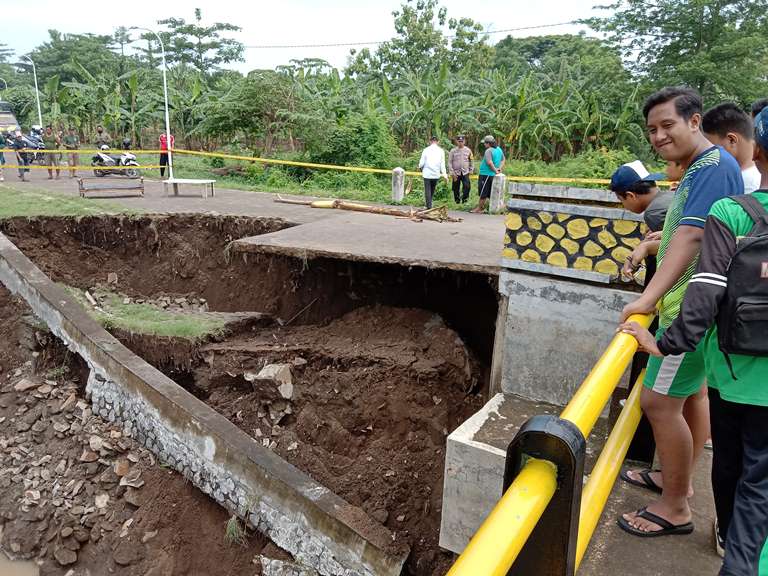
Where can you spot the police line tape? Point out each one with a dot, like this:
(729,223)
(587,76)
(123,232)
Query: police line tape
(81,151)
(87,168)
(280,162)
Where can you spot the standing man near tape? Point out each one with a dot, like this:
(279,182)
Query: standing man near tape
(460,166)
(52,142)
(432,166)
(72,143)
(164,152)
(492,164)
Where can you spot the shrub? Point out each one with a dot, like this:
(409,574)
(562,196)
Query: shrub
(363,140)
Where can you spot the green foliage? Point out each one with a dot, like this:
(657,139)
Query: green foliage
(593,163)
(717,47)
(200,46)
(363,140)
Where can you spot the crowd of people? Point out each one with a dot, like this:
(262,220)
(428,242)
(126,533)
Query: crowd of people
(461,165)
(59,144)
(707,376)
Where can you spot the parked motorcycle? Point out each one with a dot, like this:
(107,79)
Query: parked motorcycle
(34,145)
(123,164)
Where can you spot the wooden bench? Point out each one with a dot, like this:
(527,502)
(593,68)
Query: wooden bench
(176,182)
(100,184)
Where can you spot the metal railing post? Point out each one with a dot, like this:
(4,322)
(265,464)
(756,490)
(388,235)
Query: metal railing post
(551,548)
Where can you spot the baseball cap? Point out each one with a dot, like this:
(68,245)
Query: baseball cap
(489,140)
(761,129)
(630,174)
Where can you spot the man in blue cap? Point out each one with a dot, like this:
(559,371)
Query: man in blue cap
(725,311)
(637,191)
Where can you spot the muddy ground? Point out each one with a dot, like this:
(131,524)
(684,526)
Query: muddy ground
(385,361)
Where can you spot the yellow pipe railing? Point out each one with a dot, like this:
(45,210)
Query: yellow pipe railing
(586,405)
(606,469)
(491,551)
(495,546)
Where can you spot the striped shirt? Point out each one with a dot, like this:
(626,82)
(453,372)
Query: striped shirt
(713,175)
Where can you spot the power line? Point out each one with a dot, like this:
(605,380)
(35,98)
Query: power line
(376,42)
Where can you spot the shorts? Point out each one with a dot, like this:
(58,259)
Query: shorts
(678,376)
(52,158)
(484,185)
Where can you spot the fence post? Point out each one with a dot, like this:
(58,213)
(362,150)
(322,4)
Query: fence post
(551,547)
(498,193)
(398,184)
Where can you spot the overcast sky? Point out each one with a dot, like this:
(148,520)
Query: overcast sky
(26,22)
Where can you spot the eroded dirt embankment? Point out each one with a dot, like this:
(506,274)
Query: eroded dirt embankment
(384,361)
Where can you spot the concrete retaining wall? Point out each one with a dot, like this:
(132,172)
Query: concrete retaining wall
(320,529)
(555,331)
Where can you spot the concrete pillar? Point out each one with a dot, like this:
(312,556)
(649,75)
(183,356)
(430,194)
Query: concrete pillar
(498,189)
(398,184)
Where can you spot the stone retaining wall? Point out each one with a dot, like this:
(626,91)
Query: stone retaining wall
(320,529)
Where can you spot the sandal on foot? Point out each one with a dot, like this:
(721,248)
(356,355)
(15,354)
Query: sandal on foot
(646,481)
(667,528)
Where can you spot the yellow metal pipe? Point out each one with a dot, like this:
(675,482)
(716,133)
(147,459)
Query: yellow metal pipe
(586,405)
(497,543)
(600,484)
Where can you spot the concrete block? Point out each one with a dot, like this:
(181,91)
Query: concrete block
(554,318)
(498,189)
(474,466)
(398,184)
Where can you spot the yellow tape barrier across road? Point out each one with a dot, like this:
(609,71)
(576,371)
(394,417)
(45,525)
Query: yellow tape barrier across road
(359,169)
(63,167)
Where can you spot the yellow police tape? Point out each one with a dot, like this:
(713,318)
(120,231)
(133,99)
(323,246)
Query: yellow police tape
(64,167)
(359,169)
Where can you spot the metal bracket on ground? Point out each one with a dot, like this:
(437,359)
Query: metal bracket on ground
(551,548)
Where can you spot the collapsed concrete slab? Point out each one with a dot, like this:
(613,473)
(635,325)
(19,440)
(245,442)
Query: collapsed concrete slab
(318,528)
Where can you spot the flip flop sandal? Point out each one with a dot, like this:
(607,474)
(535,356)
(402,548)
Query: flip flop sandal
(667,528)
(646,482)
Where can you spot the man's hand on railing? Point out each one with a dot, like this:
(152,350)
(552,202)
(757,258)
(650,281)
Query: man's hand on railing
(639,306)
(644,338)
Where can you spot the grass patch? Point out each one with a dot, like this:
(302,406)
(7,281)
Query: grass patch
(149,319)
(23,200)
(234,532)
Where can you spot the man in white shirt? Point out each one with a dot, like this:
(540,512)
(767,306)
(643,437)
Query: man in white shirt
(729,126)
(432,166)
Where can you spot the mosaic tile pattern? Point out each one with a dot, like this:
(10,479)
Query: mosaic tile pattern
(570,241)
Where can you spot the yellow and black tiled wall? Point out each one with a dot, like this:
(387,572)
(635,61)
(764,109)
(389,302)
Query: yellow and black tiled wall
(572,241)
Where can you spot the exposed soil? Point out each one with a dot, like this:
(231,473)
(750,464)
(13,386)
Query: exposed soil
(375,394)
(385,361)
(53,484)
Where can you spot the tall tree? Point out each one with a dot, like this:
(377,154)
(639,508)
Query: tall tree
(63,53)
(421,45)
(719,47)
(200,46)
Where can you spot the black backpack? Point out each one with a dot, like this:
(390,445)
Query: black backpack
(742,321)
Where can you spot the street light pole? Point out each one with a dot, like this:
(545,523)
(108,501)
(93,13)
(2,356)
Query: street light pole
(165,96)
(37,92)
